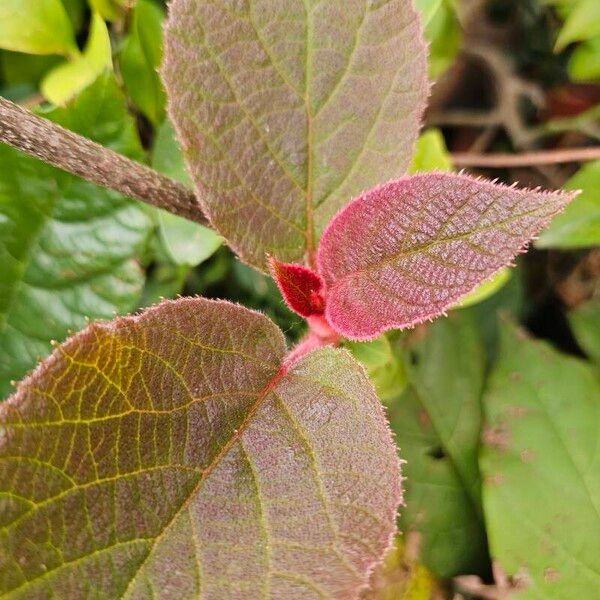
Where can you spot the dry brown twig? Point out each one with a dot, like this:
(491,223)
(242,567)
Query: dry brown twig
(504,587)
(509,90)
(527,159)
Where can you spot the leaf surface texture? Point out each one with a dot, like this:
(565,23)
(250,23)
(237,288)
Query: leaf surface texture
(541,469)
(286,110)
(406,251)
(169,455)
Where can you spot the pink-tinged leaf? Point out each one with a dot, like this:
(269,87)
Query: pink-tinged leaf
(171,455)
(287,109)
(300,287)
(404,252)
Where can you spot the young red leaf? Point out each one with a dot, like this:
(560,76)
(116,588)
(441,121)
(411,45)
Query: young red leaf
(404,252)
(285,110)
(171,455)
(300,287)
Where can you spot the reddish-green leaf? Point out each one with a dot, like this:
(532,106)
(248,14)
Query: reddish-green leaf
(286,110)
(406,251)
(170,455)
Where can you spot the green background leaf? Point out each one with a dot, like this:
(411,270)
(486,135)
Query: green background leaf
(428,9)
(585,323)
(68,79)
(582,23)
(486,289)
(579,225)
(584,64)
(68,249)
(112,10)
(437,425)
(383,364)
(541,488)
(431,153)
(140,58)
(444,36)
(187,243)
(36,27)
(400,578)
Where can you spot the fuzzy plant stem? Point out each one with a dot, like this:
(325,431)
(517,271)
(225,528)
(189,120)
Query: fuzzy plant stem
(66,150)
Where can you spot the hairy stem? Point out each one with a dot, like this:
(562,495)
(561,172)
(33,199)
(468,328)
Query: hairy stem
(66,150)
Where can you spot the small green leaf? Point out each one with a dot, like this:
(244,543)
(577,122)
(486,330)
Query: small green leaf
(585,323)
(486,289)
(579,225)
(76,10)
(68,79)
(444,36)
(68,249)
(428,9)
(383,363)
(36,27)
(437,425)
(18,68)
(186,243)
(584,64)
(165,280)
(583,23)
(399,578)
(539,461)
(140,58)
(431,153)
(166,155)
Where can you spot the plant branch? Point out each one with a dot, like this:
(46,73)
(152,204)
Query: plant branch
(509,91)
(527,159)
(71,152)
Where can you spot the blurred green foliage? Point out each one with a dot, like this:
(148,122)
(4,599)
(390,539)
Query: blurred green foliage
(140,58)
(442,31)
(581,27)
(36,27)
(579,225)
(67,79)
(539,466)
(71,250)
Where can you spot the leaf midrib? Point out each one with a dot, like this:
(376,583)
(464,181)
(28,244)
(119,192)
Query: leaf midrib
(204,474)
(238,432)
(423,248)
(309,233)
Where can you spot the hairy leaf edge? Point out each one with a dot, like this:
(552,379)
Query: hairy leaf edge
(285,367)
(422,47)
(568,195)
